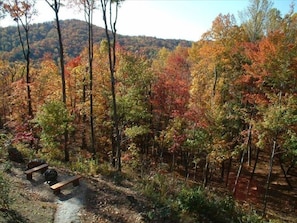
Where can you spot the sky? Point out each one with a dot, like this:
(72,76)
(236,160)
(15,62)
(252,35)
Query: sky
(167,19)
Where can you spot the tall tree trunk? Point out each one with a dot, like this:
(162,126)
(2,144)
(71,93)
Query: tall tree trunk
(238,172)
(84,117)
(292,165)
(228,171)
(253,172)
(112,64)
(222,170)
(206,172)
(26,53)
(186,163)
(215,82)
(284,172)
(56,7)
(249,145)
(195,169)
(28,81)
(89,11)
(269,176)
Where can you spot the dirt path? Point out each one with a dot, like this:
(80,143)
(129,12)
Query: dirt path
(95,200)
(70,201)
(69,204)
(62,208)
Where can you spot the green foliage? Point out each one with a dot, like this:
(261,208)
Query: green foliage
(4,192)
(158,188)
(7,166)
(54,120)
(291,143)
(5,139)
(87,166)
(212,208)
(184,204)
(279,120)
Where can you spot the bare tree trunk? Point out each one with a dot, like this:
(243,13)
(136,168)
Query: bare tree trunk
(238,172)
(84,117)
(206,173)
(222,170)
(284,172)
(195,170)
(26,53)
(253,172)
(249,145)
(89,6)
(215,81)
(186,163)
(292,165)
(173,162)
(56,7)
(112,64)
(269,176)
(228,171)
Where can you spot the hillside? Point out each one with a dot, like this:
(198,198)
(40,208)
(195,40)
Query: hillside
(43,40)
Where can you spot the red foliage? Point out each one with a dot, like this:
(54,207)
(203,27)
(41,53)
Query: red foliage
(171,90)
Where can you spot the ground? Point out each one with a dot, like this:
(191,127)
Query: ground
(108,200)
(95,200)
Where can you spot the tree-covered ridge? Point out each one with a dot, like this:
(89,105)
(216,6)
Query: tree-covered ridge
(43,39)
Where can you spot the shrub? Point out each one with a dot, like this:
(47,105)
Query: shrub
(89,166)
(54,120)
(208,207)
(161,189)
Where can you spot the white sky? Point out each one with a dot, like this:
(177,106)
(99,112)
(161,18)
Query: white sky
(172,19)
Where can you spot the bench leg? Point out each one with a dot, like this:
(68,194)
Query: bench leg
(57,191)
(29,176)
(76,183)
(43,170)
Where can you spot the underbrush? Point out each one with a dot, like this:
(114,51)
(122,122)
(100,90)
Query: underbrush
(174,202)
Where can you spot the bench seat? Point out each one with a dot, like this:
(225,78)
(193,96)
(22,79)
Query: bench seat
(74,180)
(42,168)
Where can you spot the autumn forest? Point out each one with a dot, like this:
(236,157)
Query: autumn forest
(207,113)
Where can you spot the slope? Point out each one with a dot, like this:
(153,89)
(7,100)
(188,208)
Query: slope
(43,40)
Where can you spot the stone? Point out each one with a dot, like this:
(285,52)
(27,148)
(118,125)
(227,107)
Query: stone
(15,155)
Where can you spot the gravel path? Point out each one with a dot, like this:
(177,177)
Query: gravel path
(69,203)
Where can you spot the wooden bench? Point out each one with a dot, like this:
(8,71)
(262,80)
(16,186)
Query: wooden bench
(57,187)
(40,168)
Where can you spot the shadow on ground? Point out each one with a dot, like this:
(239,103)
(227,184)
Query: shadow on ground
(12,216)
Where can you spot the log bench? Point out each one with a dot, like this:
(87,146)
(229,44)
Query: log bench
(57,187)
(42,168)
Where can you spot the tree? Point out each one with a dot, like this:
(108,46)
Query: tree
(170,90)
(274,21)
(255,17)
(216,62)
(22,12)
(88,8)
(170,99)
(55,5)
(5,86)
(54,120)
(105,4)
(134,79)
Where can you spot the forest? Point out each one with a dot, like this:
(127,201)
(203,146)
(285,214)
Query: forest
(189,120)
(43,39)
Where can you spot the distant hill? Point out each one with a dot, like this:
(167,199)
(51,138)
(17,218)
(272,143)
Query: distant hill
(43,40)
